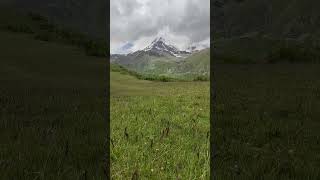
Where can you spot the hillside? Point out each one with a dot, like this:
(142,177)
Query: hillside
(164,59)
(41,28)
(45,127)
(33,63)
(251,30)
(283,19)
(197,63)
(88,17)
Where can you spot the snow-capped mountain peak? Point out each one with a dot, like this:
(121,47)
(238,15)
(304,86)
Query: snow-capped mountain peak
(159,39)
(160,46)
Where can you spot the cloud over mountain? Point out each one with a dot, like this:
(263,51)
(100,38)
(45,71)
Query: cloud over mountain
(181,22)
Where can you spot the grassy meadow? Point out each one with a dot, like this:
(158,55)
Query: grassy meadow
(52,115)
(159,130)
(266,123)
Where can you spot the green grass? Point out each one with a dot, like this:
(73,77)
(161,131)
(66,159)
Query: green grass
(48,132)
(159,130)
(160,77)
(257,49)
(286,18)
(267,124)
(52,99)
(196,67)
(197,63)
(248,49)
(40,28)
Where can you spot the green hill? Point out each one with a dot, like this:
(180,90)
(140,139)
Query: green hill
(197,64)
(250,31)
(192,67)
(40,27)
(283,19)
(33,63)
(46,130)
(87,17)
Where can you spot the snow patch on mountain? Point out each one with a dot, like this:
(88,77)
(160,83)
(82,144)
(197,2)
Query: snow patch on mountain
(159,45)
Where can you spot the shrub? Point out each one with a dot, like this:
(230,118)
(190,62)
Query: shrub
(71,37)
(201,78)
(47,27)
(232,59)
(44,36)
(165,79)
(152,77)
(37,17)
(95,48)
(22,28)
(294,54)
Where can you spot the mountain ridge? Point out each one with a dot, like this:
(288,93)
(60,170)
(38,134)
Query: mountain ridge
(159,46)
(161,58)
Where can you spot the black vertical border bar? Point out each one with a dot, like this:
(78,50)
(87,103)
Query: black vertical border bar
(212,95)
(107,90)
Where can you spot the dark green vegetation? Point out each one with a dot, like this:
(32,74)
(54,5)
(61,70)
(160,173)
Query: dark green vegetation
(266,123)
(46,130)
(259,31)
(197,64)
(159,130)
(282,19)
(286,18)
(87,17)
(294,54)
(257,49)
(156,77)
(42,29)
(196,67)
(150,77)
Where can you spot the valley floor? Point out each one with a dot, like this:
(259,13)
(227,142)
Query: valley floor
(159,130)
(266,124)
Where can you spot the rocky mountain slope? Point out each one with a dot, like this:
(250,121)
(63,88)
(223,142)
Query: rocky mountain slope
(159,47)
(161,58)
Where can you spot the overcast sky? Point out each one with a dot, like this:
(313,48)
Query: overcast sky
(135,23)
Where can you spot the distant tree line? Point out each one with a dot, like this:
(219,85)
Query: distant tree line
(155,77)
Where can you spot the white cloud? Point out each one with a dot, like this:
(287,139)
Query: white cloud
(181,22)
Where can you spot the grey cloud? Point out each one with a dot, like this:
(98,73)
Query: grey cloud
(133,20)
